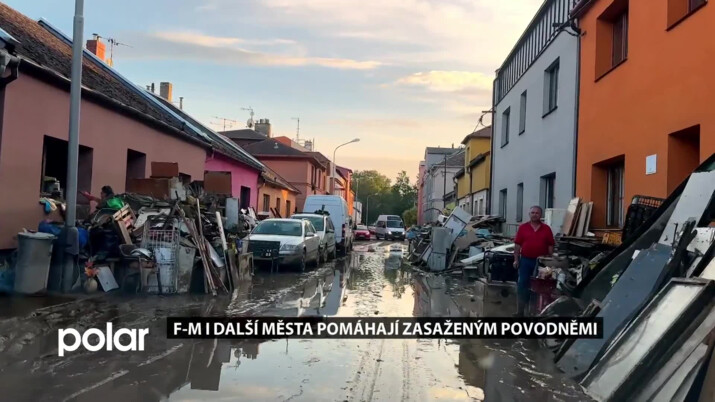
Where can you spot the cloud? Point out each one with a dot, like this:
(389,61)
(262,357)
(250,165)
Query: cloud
(172,45)
(448,81)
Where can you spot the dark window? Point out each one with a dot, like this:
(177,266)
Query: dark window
(54,168)
(505,127)
(502,203)
(614,197)
(548,190)
(620,39)
(551,88)
(278,205)
(288,211)
(136,165)
(266,202)
(519,202)
(678,10)
(522,113)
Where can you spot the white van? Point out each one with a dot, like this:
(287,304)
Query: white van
(390,227)
(336,206)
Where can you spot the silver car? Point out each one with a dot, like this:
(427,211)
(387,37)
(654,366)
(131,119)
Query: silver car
(325,229)
(285,241)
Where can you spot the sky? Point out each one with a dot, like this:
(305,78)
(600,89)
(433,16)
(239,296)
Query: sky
(400,75)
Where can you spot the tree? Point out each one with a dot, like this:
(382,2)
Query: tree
(385,197)
(410,217)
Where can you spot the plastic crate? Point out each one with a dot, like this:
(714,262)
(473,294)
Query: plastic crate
(641,209)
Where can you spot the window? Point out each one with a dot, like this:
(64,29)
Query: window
(519,202)
(288,211)
(480,209)
(620,39)
(266,202)
(278,205)
(505,127)
(309,228)
(502,203)
(136,165)
(678,10)
(245,197)
(522,113)
(614,197)
(548,192)
(54,168)
(551,88)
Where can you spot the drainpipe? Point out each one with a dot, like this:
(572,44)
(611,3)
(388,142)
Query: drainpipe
(576,113)
(491,148)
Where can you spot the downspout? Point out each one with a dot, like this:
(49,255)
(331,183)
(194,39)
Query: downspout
(576,113)
(491,147)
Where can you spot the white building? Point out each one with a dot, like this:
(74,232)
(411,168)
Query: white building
(535,127)
(439,180)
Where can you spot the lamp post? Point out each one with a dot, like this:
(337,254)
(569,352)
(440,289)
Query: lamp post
(367,208)
(332,174)
(70,233)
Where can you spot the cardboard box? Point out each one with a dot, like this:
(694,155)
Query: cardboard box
(165,170)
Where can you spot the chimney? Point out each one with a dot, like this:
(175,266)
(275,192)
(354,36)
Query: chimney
(181,103)
(263,126)
(97,47)
(152,88)
(165,89)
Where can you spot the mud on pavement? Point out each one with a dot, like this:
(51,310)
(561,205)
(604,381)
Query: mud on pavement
(366,283)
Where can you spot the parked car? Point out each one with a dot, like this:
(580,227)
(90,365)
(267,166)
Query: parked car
(339,214)
(362,233)
(372,228)
(326,231)
(285,241)
(390,227)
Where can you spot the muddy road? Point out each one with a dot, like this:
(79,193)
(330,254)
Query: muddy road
(371,281)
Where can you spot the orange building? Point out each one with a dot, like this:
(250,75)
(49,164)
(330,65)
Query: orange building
(646,110)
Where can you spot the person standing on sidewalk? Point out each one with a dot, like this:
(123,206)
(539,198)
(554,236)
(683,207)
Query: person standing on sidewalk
(533,240)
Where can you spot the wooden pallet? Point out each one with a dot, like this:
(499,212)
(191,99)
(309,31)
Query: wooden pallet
(124,219)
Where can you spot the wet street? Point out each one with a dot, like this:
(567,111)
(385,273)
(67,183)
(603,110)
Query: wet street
(371,281)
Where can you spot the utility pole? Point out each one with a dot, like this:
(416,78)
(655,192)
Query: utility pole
(71,234)
(444,190)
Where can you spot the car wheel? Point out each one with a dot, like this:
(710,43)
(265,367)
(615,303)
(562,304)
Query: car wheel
(303,262)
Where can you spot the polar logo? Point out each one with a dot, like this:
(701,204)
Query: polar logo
(109,339)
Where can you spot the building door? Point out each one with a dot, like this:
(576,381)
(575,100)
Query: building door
(615,194)
(245,197)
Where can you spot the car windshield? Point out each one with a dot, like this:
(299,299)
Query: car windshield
(362,227)
(394,224)
(317,221)
(281,228)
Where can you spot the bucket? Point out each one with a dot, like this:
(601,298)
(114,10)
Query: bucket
(33,262)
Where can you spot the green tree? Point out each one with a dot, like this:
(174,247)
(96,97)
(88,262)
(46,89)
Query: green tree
(410,217)
(385,197)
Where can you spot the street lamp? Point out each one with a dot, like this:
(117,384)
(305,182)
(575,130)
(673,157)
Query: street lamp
(332,174)
(367,208)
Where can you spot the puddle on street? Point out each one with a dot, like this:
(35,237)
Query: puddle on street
(372,281)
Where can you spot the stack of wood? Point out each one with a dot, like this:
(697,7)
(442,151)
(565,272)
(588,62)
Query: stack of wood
(578,218)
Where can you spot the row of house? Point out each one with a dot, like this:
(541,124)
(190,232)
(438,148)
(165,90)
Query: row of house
(124,127)
(602,100)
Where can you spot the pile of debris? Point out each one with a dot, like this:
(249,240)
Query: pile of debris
(164,236)
(656,296)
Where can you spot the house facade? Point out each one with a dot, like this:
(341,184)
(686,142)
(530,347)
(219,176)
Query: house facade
(121,133)
(646,113)
(302,170)
(275,190)
(420,192)
(534,126)
(440,182)
(428,197)
(473,180)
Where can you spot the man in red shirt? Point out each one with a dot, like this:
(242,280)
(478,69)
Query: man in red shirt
(533,240)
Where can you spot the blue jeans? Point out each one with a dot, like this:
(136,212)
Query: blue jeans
(527,268)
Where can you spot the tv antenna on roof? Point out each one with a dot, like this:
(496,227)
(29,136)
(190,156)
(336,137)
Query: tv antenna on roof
(250,123)
(224,121)
(297,131)
(112,42)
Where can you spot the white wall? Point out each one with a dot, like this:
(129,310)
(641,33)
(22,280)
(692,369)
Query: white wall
(547,145)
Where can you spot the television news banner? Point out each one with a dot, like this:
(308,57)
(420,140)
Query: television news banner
(316,327)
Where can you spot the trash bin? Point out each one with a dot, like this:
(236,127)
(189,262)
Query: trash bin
(33,262)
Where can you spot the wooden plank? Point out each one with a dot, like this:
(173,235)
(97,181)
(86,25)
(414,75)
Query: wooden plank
(588,218)
(570,212)
(581,220)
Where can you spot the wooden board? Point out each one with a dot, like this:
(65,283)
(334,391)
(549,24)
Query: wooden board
(570,213)
(574,221)
(588,218)
(581,220)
